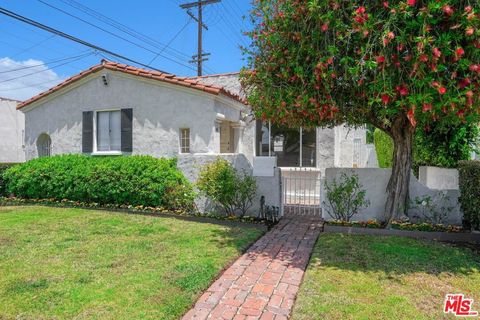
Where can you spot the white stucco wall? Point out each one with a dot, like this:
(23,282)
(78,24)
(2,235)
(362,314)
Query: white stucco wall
(12,126)
(159,111)
(438,178)
(375,181)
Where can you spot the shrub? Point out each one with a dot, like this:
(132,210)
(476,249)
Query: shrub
(432,209)
(3,168)
(384,148)
(232,190)
(134,180)
(469,180)
(345,197)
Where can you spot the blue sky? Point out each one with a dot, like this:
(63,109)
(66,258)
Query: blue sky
(159,22)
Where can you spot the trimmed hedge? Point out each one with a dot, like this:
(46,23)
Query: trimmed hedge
(469,180)
(384,148)
(133,180)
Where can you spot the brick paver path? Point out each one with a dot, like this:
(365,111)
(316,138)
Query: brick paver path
(263,283)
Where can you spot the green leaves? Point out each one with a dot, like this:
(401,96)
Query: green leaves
(133,180)
(233,190)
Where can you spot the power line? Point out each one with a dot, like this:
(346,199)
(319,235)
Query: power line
(123,28)
(47,69)
(67,36)
(34,85)
(171,40)
(32,46)
(41,64)
(115,35)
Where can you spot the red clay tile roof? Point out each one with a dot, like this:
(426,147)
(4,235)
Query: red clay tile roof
(150,74)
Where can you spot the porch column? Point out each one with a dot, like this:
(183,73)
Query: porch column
(238,129)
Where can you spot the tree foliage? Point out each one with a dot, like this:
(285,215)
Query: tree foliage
(321,62)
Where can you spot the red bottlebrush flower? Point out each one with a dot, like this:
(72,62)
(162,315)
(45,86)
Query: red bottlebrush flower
(411,3)
(442,90)
(464,83)
(469,31)
(361,10)
(447,10)
(434,68)
(402,90)
(385,99)
(468,9)
(436,53)
(380,59)
(469,94)
(474,67)
(391,35)
(385,4)
(325,27)
(427,107)
(411,117)
(461,114)
(423,58)
(459,52)
(330,60)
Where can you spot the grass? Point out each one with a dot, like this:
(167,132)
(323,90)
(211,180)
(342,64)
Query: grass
(81,264)
(368,277)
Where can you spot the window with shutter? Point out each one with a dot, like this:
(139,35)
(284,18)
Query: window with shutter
(108,131)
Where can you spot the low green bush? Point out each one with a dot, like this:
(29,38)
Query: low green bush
(133,180)
(469,181)
(345,197)
(3,189)
(234,191)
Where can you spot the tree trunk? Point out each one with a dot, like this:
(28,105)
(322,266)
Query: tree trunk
(398,186)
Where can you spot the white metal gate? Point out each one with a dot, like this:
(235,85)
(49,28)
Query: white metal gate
(301,188)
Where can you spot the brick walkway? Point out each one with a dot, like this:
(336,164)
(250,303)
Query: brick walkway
(263,283)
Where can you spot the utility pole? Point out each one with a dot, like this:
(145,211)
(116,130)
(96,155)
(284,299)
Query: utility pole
(200,56)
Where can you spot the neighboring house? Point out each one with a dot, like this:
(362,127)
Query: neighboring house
(12,126)
(115,109)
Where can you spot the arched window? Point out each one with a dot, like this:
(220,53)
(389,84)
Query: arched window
(44,145)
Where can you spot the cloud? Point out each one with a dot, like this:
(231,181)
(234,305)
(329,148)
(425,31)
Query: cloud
(21,80)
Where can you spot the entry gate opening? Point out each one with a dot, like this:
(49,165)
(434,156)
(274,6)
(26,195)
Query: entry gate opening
(301,188)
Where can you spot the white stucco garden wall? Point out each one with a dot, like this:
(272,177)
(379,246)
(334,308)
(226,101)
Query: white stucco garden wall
(159,111)
(438,178)
(375,181)
(12,126)
(269,187)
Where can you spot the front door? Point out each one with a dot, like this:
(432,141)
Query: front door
(225,138)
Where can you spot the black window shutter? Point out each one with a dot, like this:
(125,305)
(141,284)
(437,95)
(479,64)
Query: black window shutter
(127,130)
(87,132)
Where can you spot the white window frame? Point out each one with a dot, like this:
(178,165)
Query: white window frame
(95,138)
(181,138)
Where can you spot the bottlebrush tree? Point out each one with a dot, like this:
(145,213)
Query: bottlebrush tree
(398,65)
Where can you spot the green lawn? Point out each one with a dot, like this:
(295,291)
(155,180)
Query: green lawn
(82,264)
(366,277)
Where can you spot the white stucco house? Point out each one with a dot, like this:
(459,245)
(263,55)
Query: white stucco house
(12,129)
(116,109)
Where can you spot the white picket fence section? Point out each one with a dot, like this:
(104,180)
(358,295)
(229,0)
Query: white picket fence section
(301,191)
